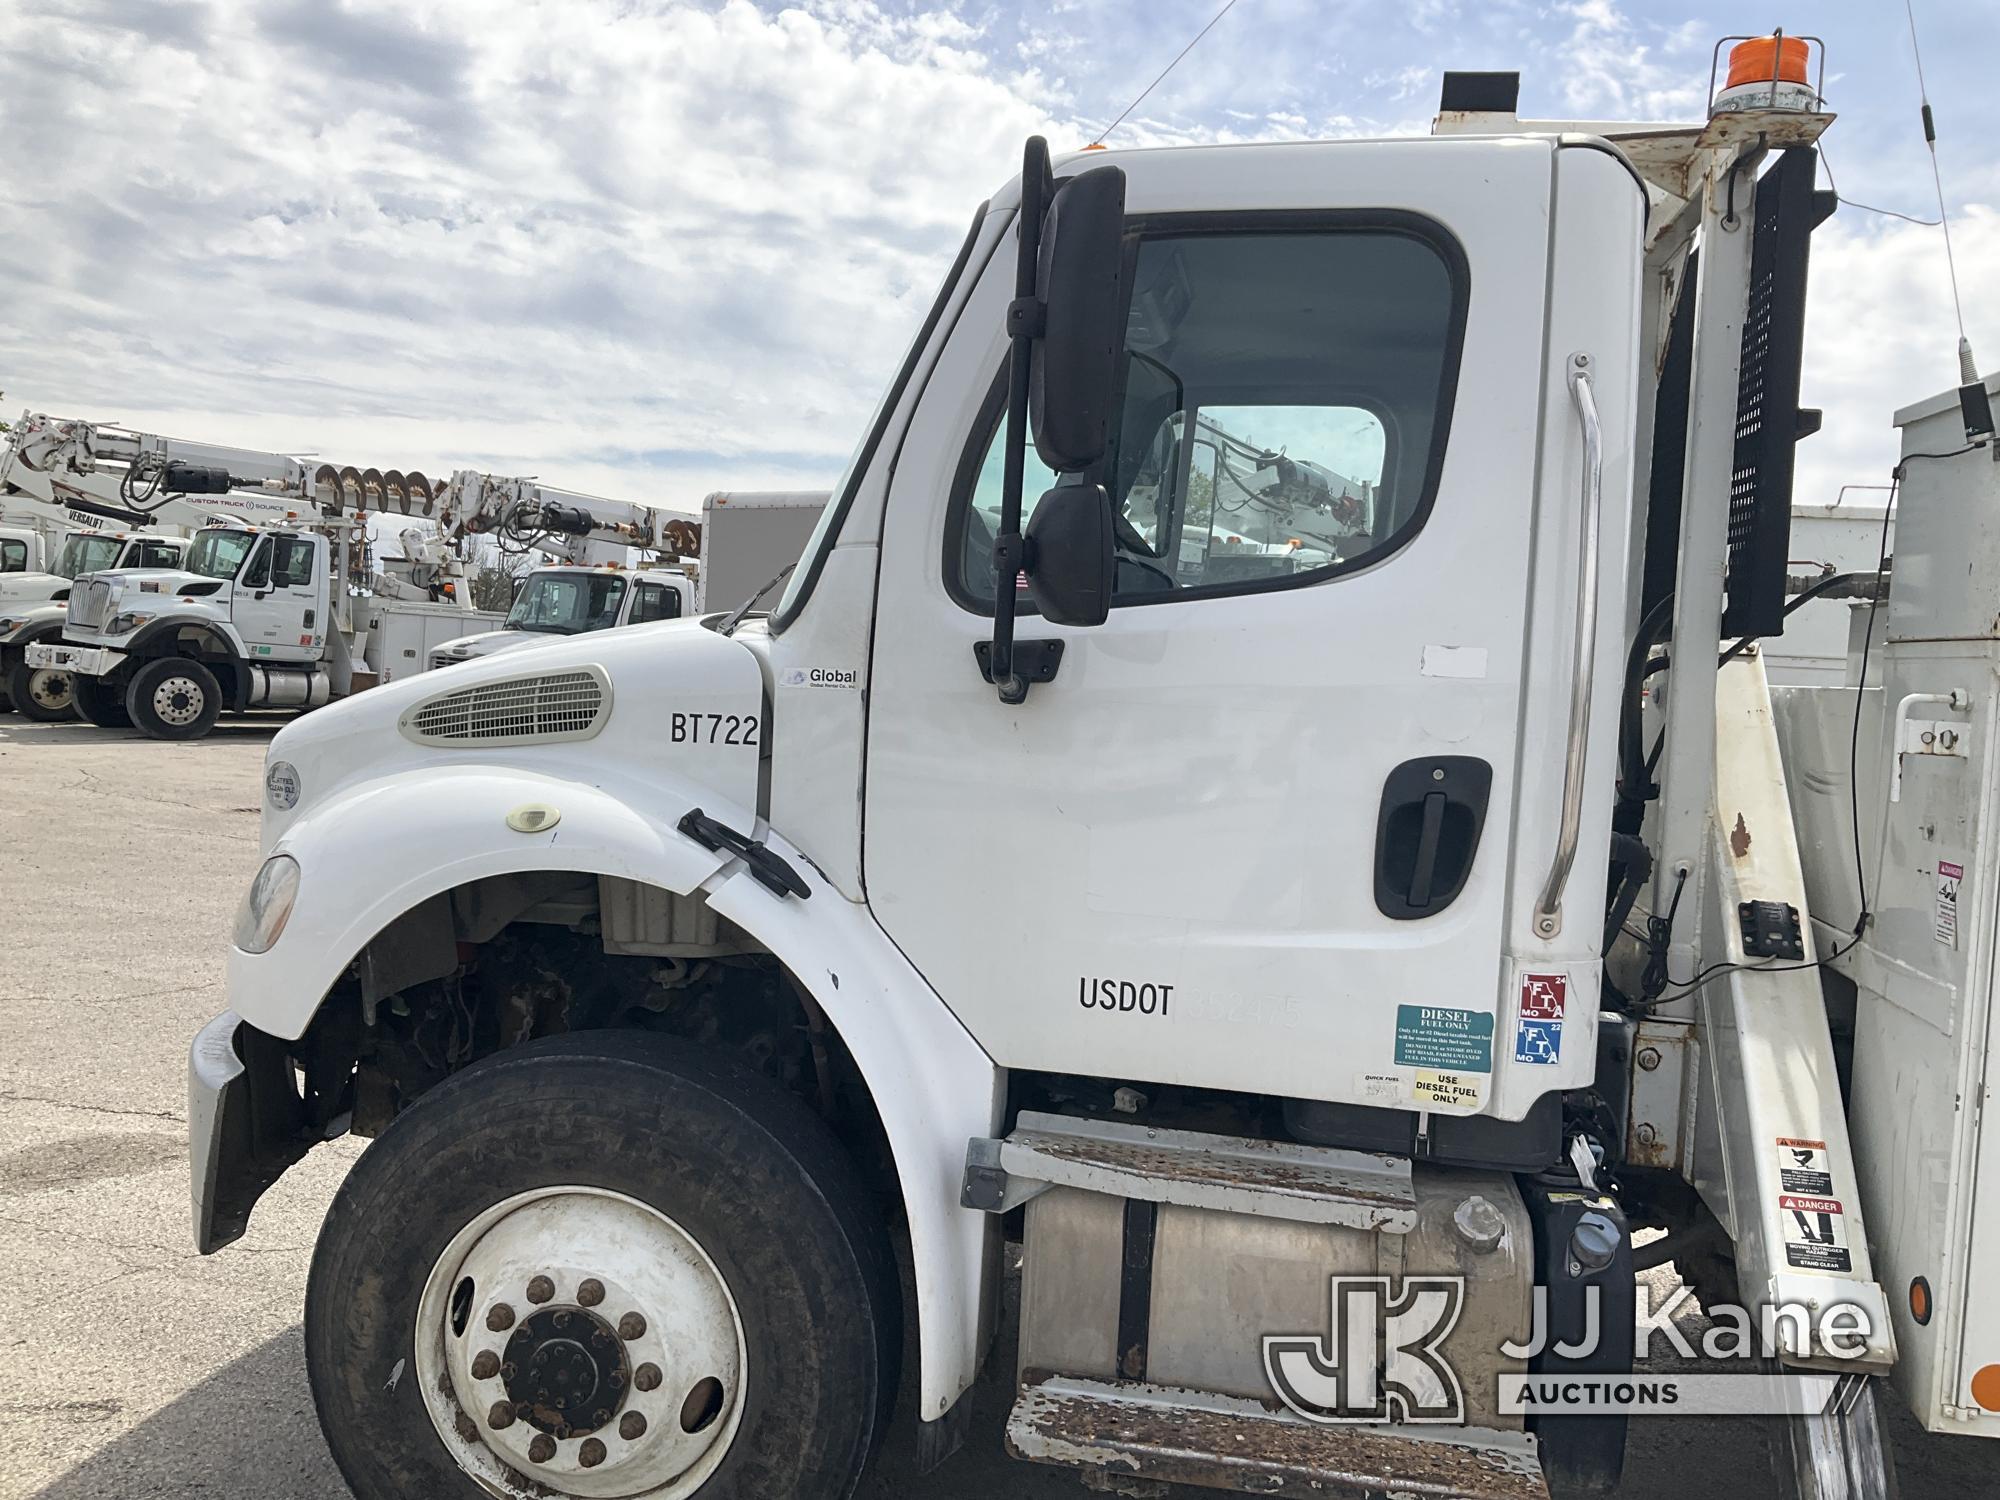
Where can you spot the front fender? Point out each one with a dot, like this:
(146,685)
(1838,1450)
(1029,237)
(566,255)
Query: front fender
(382,847)
(934,1087)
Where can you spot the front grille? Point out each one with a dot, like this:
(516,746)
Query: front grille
(89,604)
(552,706)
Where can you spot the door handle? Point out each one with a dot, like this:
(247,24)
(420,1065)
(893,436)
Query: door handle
(1548,907)
(1427,833)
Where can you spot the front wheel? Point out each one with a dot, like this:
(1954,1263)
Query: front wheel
(99,701)
(46,695)
(607,1264)
(174,698)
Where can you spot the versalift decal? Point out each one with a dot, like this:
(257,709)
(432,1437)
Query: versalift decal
(1126,997)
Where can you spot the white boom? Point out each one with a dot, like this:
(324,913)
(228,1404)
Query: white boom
(523,513)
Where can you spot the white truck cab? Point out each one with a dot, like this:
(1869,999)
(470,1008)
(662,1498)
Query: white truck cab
(562,601)
(242,622)
(1218,876)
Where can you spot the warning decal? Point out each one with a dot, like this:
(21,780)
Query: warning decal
(1815,1233)
(1803,1167)
(1450,1090)
(1945,925)
(1436,1036)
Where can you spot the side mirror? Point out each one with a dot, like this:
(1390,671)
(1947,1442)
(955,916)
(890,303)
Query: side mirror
(1072,555)
(1079,281)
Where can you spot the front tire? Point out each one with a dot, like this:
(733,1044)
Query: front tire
(99,702)
(47,695)
(174,698)
(660,1232)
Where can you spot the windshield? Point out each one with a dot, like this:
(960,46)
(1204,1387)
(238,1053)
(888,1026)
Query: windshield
(218,554)
(86,554)
(567,603)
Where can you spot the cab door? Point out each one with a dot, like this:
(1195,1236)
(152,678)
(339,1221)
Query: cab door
(1277,824)
(280,600)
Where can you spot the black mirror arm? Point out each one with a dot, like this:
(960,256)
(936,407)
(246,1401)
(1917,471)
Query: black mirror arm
(1025,321)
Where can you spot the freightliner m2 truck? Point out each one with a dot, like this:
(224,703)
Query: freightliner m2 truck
(1322,925)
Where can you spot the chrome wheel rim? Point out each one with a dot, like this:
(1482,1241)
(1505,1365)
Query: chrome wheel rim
(582,1340)
(178,700)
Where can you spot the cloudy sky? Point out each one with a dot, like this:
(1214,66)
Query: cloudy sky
(651,249)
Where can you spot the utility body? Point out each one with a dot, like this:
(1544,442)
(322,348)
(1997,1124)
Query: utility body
(750,536)
(1218,877)
(280,611)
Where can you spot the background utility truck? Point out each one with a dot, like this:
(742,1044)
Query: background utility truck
(92,530)
(282,615)
(749,536)
(1228,927)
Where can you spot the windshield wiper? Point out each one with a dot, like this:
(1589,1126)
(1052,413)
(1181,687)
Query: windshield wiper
(728,626)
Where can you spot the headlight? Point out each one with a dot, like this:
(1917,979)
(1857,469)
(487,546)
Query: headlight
(7,627)
(268,903)
(281,785)
(127,623)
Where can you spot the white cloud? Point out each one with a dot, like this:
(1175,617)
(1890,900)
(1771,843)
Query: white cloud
(650,249)
(1880,335)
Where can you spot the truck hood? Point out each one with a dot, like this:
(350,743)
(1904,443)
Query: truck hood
(29,588)
(491,643)
(668,710)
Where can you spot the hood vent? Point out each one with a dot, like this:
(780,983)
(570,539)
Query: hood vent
(571,705)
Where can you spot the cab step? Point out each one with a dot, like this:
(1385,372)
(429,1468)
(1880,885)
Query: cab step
(1234,1174)
(1134,1433)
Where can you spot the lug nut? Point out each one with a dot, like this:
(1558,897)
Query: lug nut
(631,1326)
(540,1289)
(647,1377)
(501,1416)
(599,1417)
(632,1426)
(500,1317)
(589,1292)
(485,1365)
(542,1449)
(591,1454)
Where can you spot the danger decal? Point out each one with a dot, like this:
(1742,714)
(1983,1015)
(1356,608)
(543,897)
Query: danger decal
(1815,1233)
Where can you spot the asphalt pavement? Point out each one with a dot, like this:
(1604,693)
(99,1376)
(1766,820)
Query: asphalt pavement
(132,1367)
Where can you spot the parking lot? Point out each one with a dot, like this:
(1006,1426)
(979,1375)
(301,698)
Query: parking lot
(129,1366)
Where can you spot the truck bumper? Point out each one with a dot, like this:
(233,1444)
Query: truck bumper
(86,661)
(246,1125)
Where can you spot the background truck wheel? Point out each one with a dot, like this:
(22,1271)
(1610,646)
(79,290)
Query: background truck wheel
(610,1255)
(173,698)
(43,694)
(99,702)
(1841,1455)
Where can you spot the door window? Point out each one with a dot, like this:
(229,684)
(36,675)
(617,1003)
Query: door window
(13,555)
(1286,397)
(159,555)
(292,562)
(655,602)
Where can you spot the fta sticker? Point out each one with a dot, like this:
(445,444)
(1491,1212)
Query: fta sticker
(1544,996)
(1815,1233)
(1538,1041)
(1803,1167)
(1450,1090)
(1945,925)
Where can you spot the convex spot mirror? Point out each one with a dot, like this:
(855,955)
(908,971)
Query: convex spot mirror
(1079,282)
(1071,555)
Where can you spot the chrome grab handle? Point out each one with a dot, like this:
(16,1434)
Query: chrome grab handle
(1548,909)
